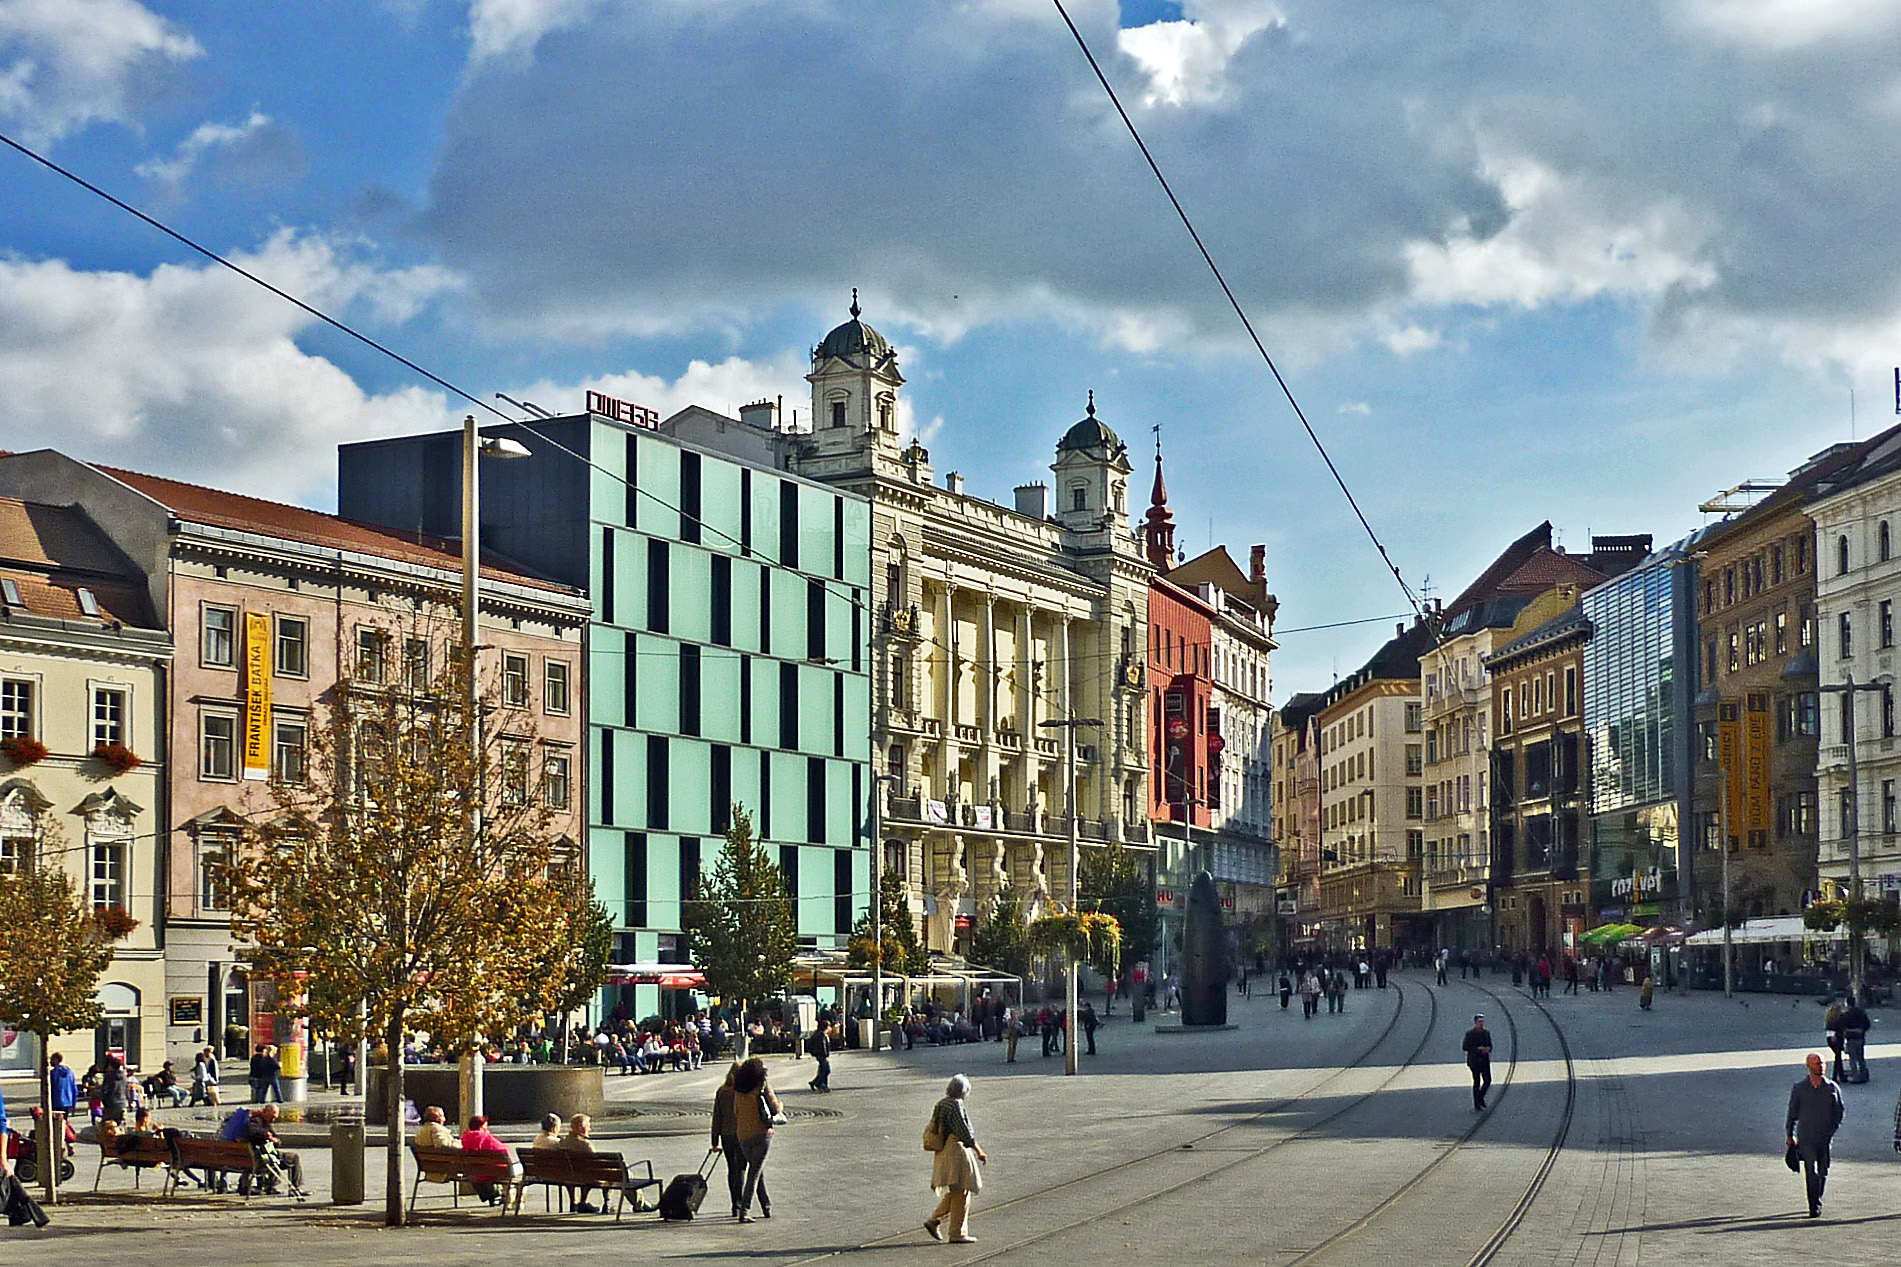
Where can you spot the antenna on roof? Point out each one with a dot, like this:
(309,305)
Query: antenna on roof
(1897,389)
(526,406)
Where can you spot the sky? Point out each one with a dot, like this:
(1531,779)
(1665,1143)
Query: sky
(1517,259)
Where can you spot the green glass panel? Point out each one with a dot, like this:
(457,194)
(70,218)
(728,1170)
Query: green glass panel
(691,597)
(657,690)
(691,769)
(659,489)
(719,694)
(719,505)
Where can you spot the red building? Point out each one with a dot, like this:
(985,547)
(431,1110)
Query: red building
(1184,727)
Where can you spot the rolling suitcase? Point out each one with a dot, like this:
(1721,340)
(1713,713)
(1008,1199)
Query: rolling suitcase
(683,1195)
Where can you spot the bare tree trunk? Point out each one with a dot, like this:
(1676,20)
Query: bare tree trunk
(742,1037)
(393,1133)
(52,1142)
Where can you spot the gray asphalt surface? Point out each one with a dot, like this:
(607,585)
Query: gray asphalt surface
(1345,1139)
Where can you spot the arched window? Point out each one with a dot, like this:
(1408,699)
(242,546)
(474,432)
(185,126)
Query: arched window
(1841,556)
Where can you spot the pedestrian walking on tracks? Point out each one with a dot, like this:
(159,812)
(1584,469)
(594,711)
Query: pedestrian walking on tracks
(1478,1058)
(1815,1113)
(1309,995)
(1286,989)
(954,1172)
(1855,1042)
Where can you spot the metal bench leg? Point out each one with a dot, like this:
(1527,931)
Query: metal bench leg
(414,1188)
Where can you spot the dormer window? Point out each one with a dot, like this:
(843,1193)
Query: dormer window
(10,590)
(87,602)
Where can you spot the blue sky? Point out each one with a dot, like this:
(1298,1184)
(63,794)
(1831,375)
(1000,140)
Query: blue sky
(1518,260)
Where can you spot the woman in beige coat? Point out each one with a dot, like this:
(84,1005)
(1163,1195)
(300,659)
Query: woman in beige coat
(954,1172)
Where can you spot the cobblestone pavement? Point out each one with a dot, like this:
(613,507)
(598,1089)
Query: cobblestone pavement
(1344,1139)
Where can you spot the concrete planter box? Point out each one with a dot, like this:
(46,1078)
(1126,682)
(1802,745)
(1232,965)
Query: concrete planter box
(510,1093)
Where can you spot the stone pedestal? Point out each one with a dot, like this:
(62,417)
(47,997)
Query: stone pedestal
(510,1093)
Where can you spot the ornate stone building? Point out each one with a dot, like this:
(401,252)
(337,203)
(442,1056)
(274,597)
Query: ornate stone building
(987,621)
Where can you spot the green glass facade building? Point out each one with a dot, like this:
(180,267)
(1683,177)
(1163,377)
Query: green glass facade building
(727,658)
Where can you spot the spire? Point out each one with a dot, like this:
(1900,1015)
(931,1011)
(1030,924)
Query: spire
(1158,529)
(1092,403)
(855,309)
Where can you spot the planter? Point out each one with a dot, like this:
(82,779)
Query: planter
(117,757)
(22,750)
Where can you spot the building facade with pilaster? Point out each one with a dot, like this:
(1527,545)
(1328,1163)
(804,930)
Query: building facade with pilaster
(987,621)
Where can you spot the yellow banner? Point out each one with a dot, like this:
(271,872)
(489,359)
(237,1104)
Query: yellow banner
(1757,798)
(257,695)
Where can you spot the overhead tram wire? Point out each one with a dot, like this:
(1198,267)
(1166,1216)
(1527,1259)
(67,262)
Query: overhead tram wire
(528,424)
(394,355)
(1412,598)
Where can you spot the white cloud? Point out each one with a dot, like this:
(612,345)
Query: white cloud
(67,63)
(1564,240)
(723,387)
(1788,24)
(255,150)
(1359,407)
(1187,60)
(196,372)
(1405,340)
(498,27)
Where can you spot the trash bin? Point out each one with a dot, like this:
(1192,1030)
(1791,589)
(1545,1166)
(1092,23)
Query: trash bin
(346,1157)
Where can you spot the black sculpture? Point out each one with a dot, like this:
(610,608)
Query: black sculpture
(1204,956)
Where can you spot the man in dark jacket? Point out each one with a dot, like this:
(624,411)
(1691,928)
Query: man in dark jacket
(1815,1112)
(1855,1041)
(819,1048)
(1478,1058)
(113,1091)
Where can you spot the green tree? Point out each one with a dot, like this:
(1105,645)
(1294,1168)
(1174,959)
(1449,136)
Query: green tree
(379,907)
(1003,940)
(904,954)
(1115,881)
(54,946)
(739,922)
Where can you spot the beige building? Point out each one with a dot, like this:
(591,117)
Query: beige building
(1373,799)
(988,621)
(1296,797)
(320,599)
(83,660)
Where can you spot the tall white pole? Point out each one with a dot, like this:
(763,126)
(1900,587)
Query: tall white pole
(1729,952)
(470,1073)
(1075,902)
(1854,843)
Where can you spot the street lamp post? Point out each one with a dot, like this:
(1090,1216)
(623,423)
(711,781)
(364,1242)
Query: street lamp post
(1729,951)
(1068,726)
(474,448)
(1851,827)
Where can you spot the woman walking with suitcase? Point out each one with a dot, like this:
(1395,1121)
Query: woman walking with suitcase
(954,1169)
(756,1110)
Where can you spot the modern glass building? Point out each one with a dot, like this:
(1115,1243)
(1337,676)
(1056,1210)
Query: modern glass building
(1640,670)
(727,654)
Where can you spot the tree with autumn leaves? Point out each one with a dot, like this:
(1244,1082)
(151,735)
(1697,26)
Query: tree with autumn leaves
(378,906)
(54,946)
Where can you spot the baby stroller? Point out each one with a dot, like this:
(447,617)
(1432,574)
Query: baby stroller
(25,1152)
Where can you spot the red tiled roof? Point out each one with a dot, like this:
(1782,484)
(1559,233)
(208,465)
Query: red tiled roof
(220,509)
(50,552)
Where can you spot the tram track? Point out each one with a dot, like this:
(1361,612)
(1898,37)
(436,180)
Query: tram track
(1495,1243)
(1241,1157)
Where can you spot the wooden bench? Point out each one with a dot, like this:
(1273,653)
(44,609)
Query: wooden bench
(145,1152)
(455,1168)
(212,1157)
(559,1168)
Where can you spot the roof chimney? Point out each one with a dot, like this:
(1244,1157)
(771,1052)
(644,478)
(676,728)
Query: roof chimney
(954,482)
(1033,500)
(763,414)
(1257,564)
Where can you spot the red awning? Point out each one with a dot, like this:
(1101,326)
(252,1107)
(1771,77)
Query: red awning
(682,981)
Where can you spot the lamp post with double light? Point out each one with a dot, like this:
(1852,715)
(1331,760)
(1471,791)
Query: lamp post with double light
(474,448)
